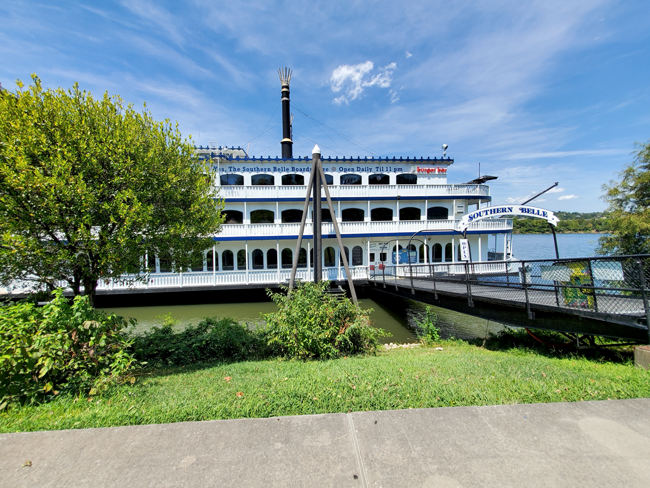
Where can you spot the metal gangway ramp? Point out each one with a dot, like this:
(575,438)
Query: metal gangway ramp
(605,296)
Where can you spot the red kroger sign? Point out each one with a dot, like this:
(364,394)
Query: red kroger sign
(431,170)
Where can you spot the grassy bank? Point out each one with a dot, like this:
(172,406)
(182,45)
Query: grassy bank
(460,374)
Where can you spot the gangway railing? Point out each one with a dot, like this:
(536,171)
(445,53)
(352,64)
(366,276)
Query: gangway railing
(609,286)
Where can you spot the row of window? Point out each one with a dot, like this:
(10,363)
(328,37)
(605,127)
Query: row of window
(234,179)
(231,261)
(347,215)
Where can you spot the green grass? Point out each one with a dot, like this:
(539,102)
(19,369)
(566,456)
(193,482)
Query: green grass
(461,374)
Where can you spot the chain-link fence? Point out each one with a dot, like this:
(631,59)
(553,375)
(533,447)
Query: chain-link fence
(616,285)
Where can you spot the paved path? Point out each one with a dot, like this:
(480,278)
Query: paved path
(591,444)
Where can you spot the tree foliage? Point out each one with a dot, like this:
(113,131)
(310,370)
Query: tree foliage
(89,186)
(629,204)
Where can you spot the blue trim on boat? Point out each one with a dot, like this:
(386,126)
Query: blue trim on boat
(349,236)
(359,199)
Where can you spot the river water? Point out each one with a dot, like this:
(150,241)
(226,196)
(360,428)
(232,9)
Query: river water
(395,315)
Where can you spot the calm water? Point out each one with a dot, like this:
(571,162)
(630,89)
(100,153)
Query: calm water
(540,246)
(396,315)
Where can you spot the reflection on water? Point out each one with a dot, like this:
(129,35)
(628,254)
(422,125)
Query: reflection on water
(395,315)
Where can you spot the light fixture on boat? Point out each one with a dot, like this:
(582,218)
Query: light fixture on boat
(444,150)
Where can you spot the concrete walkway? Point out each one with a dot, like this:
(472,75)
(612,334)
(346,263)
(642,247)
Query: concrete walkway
(592,444)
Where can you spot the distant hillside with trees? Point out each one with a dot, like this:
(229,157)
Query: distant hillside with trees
(570,223)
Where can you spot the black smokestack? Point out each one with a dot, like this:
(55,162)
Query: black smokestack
(287,144)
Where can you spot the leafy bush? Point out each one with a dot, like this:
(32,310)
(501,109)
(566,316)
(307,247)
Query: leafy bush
(429,332)
(61,346)
(212,339)
(312,324)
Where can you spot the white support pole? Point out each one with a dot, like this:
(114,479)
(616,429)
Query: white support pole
(214,264)
(278,258)
(505,246)
(397,248)
(246,246)
(310,274)
(426,251)
(453,249)
(480,255)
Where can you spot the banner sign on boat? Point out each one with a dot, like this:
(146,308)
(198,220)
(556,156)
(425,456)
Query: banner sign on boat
(464,250)
(503,210)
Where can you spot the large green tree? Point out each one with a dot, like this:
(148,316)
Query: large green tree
(629,204)
(90,186)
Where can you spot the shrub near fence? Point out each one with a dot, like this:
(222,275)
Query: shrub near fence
(62,346)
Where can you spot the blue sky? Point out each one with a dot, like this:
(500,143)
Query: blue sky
(536,91)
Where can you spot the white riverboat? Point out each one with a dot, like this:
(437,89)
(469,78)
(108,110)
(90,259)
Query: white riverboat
(380,204)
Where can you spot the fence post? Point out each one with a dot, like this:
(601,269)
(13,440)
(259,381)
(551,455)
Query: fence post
(507,274)
(470,302)
(644,294)
(593,285)
(411,273)
(531,315)
(383,274)
(433,278)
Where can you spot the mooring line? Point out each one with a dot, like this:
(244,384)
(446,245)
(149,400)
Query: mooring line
(362,469)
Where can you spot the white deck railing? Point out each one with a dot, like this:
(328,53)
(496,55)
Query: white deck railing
(390,227)
(355,191)
(225,278)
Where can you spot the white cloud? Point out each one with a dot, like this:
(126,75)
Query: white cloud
(394,96)
(555,190)
(408,55)
(352,80)
(567,197)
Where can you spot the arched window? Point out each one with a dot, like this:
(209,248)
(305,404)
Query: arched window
(165,261)
(437,253)
(324,215)
(228,261)
(241,259)
(330,257)
(287,258)
(293,179)
(395,248)
(357,256)
(437,213)
(232,179)
(458,253)
(352,215)
(258,259)
(272,259)
(379,179)
(448,252)
(196,261)
(409,213)
(407,179)
(422,252)
(329,179)
(291,216)
(234,217)
(263,180)
(381,214)
(211,261)
(347,256)
(311,257)
(350,179)
(302,258)
(262,217)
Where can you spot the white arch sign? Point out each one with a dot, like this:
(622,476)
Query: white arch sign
(503,210)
